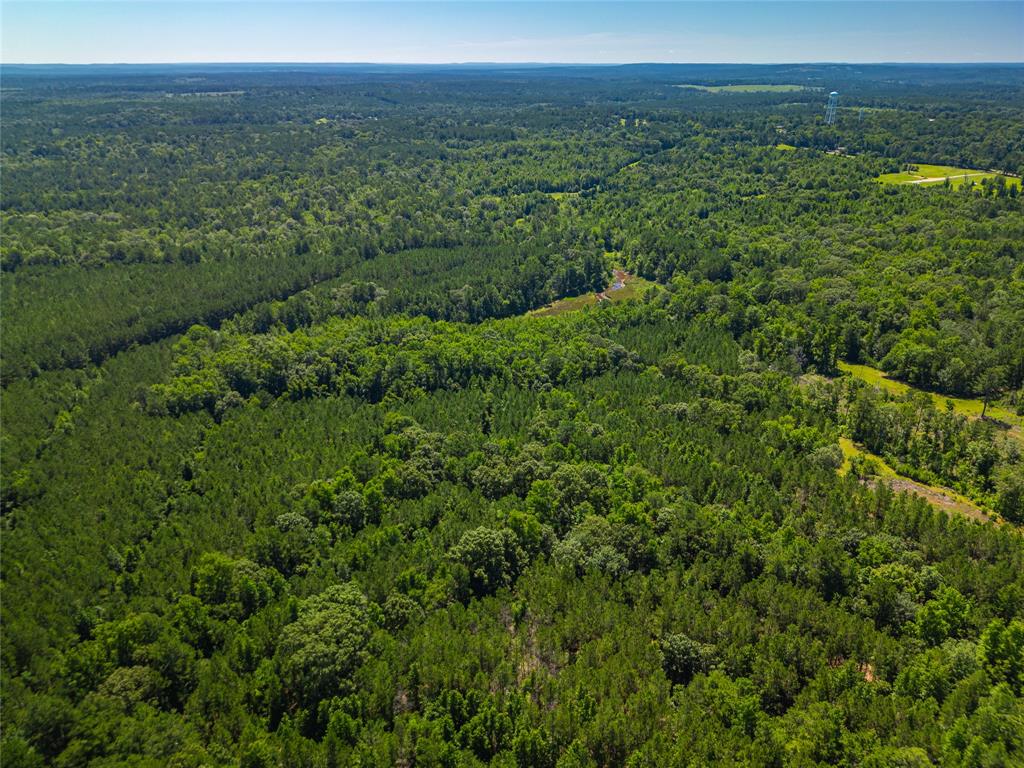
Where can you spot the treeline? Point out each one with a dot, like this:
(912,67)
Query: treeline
(462,284)
(67,319)
(376,359)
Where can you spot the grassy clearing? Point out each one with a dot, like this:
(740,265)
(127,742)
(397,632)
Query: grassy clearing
(965,406)
(633,288)
(749,88)
(562,306)
(930,175)
(785,147)
(850,451)
(944,498)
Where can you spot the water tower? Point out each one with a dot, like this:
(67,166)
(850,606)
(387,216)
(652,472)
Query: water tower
(830,108)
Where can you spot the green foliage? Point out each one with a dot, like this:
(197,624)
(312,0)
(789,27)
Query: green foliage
(685,658)
(371,359)
(324,646)
(292,477)
(1001,650)
(490,559)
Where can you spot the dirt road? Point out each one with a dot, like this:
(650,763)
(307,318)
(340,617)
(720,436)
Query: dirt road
(950,177)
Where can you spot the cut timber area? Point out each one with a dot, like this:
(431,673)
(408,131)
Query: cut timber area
(624,286)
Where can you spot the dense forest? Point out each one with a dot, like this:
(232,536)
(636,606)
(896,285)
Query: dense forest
(329,437)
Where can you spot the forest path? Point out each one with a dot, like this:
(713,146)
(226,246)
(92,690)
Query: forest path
(940,497)
(937,497)
(943,178)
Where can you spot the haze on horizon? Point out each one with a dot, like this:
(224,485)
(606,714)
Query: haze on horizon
(581,31)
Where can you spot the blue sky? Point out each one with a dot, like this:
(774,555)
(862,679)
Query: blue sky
(136,31)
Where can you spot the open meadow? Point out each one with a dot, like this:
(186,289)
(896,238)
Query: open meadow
(925,174)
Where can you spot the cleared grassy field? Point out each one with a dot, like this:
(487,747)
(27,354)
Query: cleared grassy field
(785,147)
(965,406)
(749,88)
(937,174)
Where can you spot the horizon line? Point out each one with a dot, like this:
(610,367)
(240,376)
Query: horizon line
(290,62)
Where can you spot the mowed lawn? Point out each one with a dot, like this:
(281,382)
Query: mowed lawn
(927,175)
(748,88)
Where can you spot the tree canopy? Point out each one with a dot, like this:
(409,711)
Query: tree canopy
(538,417)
